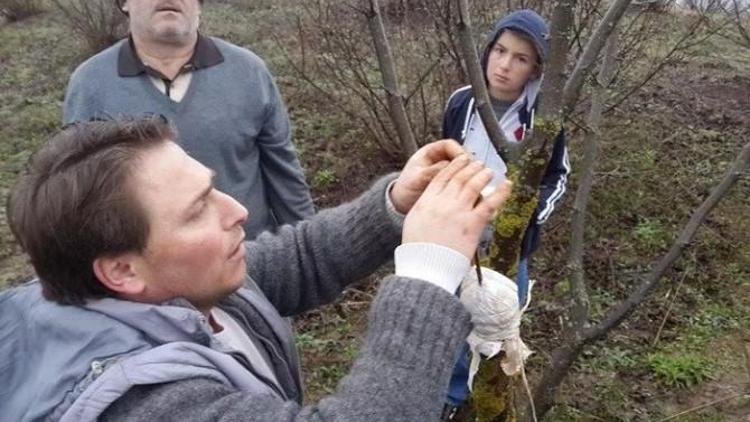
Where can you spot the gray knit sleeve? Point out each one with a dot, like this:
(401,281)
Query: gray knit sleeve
(401,373)
(304,266)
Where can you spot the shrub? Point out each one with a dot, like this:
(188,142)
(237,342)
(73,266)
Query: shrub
(15,10)
(99,23)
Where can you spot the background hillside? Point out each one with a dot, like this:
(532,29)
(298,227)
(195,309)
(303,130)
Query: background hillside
(662,149)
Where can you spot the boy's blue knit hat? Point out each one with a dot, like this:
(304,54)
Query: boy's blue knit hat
(527,22)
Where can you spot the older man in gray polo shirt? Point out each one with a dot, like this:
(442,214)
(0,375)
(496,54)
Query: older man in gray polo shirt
(221,97)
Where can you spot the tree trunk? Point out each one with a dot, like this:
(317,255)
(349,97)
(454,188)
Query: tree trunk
(493,392)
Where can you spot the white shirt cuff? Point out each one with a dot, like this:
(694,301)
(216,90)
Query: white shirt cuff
(436,264)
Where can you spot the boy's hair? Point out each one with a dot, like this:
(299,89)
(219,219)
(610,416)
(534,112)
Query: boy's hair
(528,25)
(526,37)
(75,203)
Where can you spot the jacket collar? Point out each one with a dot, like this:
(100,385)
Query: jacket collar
(205,54)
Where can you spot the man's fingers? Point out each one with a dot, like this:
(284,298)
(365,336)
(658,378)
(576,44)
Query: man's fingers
(446,149)
(447,174)
(461,179)
(493,202)
(429,173)
(473,187)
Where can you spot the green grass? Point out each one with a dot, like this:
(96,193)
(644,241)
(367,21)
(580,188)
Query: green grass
(680,370)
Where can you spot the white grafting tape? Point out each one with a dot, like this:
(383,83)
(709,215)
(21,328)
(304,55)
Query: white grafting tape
(494,312)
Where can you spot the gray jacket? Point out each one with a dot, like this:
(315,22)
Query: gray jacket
(119,360)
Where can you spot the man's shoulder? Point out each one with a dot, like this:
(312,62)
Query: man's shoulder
(235,53)
(106,58)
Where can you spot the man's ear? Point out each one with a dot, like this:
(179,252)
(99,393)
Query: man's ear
(119,274)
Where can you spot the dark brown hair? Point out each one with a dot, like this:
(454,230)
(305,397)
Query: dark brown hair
(74,203)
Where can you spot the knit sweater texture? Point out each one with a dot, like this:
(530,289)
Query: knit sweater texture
(232,120)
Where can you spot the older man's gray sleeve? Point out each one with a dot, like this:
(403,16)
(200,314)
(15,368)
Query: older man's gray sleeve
(305,266)
(284,180)
(401,373)
(78,105)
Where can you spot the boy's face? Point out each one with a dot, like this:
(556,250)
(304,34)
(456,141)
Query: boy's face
(511,63)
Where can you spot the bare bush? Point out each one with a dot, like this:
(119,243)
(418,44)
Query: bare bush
(15,10)
(99,23)
(336,58)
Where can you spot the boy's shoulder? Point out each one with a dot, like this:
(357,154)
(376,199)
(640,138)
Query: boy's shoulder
(460,96)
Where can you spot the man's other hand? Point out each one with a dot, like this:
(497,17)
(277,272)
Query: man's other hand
(420,170)
(452,212)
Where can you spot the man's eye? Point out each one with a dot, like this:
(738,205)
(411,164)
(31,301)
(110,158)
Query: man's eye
(198,211)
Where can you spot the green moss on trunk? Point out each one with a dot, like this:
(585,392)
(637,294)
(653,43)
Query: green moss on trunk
(493,391)
(493,395)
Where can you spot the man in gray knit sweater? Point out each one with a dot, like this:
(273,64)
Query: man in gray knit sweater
(150,305)
(222,98)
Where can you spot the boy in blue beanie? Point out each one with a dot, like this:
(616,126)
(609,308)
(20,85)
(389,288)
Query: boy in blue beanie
(513,61)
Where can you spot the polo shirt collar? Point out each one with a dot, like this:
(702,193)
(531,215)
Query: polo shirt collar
(206,54)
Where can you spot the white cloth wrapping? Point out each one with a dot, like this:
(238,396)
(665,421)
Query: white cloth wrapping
(497,319)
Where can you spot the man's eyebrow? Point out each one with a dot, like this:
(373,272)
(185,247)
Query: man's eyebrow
(204,193)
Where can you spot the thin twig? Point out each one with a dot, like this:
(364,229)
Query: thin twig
(703,406)
(669,309)
(477,267)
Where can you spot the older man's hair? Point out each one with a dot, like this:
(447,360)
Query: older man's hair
(76,203)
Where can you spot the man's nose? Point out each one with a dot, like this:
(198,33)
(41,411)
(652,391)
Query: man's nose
(234,212)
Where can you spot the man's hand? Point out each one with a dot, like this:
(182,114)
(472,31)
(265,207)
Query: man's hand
(451,212)
(420,170)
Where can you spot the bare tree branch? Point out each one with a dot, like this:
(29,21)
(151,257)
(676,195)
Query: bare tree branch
(738,22)
(680,45)
(554,75)
(390,80)
(594,45)
(578,313)
(563,357)
(508,152)
(616,316)
(420,82)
